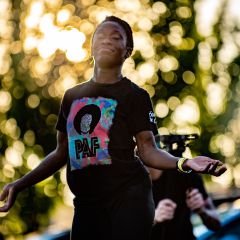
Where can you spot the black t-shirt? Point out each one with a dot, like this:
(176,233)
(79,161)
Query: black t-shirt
(101,121)
(173,185)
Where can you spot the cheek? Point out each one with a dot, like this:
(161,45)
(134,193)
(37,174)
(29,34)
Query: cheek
(122,49)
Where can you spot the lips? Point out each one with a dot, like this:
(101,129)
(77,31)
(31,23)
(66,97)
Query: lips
(106,49)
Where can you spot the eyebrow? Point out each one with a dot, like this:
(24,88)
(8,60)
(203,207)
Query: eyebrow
(114,31)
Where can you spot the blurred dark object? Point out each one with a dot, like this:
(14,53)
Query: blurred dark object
(229,199)
(1,237)
(175,143)
(230,230)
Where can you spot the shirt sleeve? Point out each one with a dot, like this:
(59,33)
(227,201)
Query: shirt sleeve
(142,117)
(62,117)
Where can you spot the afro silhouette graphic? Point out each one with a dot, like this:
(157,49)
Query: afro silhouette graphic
(87,119)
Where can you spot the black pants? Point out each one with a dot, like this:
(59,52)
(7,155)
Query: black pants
(128,216)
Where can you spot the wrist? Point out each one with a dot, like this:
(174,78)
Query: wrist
(200,210)
(182,165)
(185,165)
(18,185)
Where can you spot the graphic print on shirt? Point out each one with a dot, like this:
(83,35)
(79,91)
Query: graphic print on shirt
(88,127)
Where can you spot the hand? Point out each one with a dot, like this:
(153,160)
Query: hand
(9,194)
(165,210)
(204,164)
(194,200)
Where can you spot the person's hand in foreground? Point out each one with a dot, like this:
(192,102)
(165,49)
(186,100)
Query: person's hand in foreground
(8,195)
(164,211)
(202,164)
(194,199)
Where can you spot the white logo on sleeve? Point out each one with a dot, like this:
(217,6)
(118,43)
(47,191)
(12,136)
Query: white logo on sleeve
(152,117)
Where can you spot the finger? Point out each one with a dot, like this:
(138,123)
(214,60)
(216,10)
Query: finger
(10,201)
(219,171)
(213,168)
(169,202)
(5,208)
(219,162)
(193,192)
(3,195)
(166,209)
(194,206)
(207,168)
(171,205)
(165,217)
(169,209)
(196,201)
(11,198)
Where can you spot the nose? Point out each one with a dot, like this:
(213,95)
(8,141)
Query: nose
(106,40)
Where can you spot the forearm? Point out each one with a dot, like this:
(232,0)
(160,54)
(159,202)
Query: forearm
(210,218)
(151,155)
(159,159)
(46,168)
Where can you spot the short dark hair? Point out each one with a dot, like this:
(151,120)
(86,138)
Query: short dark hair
(127,30)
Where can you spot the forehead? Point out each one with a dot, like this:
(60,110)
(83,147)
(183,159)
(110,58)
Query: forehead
(110,26)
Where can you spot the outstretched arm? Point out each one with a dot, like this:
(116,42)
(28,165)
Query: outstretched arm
(53,162)
(159,159)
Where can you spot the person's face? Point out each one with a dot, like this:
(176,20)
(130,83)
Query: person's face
(109,44)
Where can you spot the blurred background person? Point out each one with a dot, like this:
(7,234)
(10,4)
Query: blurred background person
(177,196)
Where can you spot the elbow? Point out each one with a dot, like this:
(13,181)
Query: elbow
(145,159)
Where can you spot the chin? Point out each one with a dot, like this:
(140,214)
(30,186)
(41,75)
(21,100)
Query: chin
(107,62)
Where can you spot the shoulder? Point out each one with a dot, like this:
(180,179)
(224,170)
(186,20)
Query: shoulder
(73,91)
(77,87)
(135,89)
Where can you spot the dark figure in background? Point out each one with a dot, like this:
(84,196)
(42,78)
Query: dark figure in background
(177,195)
(113,194)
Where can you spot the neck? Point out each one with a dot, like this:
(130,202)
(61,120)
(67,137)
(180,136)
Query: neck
(107,75)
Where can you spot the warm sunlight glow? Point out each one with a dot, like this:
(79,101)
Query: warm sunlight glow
(5,102)
(173,102)
(161,109)
(168,63)
(188,77)
(187,112)
(33,161)
(127,6)
(144,43)
(13,157)
(63,16)
(159,7)
(207,15)
(146,70)
(215,97)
